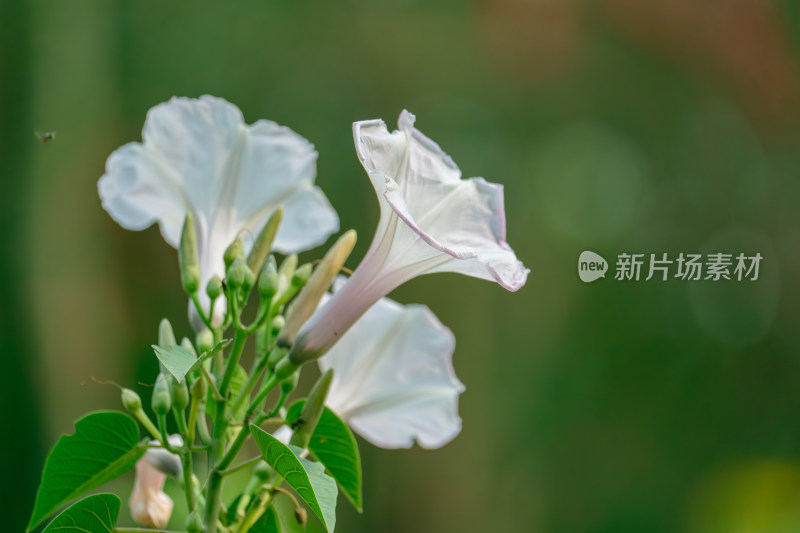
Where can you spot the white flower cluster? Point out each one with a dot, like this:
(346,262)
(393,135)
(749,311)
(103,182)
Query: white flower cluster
(394,381)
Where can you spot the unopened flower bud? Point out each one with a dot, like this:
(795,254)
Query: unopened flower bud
(301,275)
(204,341)
(180,395)
(236,273)
(166,337)
(214,287)
(268,280)
(131,401)
(277,324)
(308,300)
(194,523)
(312,411)
(198,389)
(263,243)
(161,401)
(288,266)
(249,280)
(187,256)
(233,252)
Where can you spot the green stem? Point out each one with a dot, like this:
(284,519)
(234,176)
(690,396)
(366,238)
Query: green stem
(239,339)
(186,459)
(202,427)
(145,421)
(213,501)
(234,448)
(193,410)
(214,392)
(206,320)
(255,375)
(180,421)
(162,426)
(256,512)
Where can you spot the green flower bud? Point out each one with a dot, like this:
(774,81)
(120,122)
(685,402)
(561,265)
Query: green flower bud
(233,252)
(194,523)
(249,280)
(180,395)
(277,324)
(289,264)
(268,280)
(187,256)
(162,400)
(199,389)
(166,337)
(312,410)
(204,341)
(214,287)
(236,273)
(131,401)
(301,275)
(263,244)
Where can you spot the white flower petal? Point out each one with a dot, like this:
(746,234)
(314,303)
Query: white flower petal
(199,156)
(137,191)
(431,221)
(394,381)
(149,505)
(422,185)
(308,220)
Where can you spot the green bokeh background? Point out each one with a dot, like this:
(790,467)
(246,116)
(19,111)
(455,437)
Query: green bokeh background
(615,126)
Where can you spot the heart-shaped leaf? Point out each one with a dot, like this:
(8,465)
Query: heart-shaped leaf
(307,478)
(95,514)
(104,446)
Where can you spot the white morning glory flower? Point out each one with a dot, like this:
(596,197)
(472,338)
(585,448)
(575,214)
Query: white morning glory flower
(431,221)
(393,378)
(199,156)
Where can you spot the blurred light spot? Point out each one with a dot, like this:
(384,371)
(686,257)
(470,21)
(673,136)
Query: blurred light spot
(588,183)
(748,498)
(738,313)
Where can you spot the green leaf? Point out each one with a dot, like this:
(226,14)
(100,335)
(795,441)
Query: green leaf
(179,361)
(95,514)
(307,478)
(334,445)
(268,523)
(105,445)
